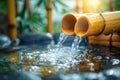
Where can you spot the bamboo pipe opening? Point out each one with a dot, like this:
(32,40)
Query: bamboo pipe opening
(82,26)
(68,23)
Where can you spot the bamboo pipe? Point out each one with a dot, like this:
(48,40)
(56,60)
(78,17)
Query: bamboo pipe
(12,19)
(116,37)
(102,37)
(68,22)
(96,24)
(106,43)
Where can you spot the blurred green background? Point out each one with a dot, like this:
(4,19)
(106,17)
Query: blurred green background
(35,21)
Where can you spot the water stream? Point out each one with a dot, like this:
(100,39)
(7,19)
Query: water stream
(77,41)
(62,38)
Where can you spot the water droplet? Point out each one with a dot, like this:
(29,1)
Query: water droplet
(115,61)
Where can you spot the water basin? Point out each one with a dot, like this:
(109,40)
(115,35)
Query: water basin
(33,62)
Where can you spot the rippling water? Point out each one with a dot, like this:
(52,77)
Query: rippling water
(64,63)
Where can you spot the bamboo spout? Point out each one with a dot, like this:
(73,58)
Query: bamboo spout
(96,24)
(68,23)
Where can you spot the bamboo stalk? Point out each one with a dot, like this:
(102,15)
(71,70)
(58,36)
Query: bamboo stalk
(102,37)
(49,17)
(112,22)
(16,8)
(116,37)
(27,5)
(96,24)
(12,19)
(28,9)
(23,10)
(106,43)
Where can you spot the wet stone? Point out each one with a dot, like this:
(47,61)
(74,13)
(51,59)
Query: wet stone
(38,39)
(4,41)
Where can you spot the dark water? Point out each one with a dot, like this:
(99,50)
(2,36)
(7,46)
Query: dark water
(90,62)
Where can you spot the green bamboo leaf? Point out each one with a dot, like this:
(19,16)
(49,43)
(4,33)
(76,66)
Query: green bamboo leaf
(39,3)
(55,6)
(61,3)
(45,3)
(117,5)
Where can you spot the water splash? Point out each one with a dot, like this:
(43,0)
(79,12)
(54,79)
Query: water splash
(59,57)
(63,59)
(115,61)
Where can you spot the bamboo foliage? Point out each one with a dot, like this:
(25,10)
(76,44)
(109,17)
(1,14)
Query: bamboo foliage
(49,17)
(12,19)
(49,5)
(29,12)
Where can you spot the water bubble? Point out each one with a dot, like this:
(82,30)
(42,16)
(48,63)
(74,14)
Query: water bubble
(91,65)
(115,61)
(97,57)
(70,77)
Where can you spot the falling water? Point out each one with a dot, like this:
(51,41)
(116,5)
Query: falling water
(62,38)
(75,44)
(77,41)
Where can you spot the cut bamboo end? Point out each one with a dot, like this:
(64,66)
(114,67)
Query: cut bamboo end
(67,24)
(89,25)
